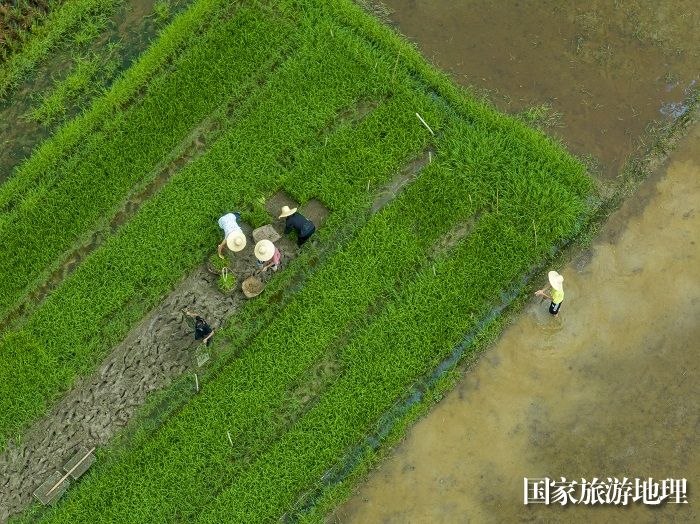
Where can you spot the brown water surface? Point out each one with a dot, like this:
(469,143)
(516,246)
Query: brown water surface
(608,388)
(606,68)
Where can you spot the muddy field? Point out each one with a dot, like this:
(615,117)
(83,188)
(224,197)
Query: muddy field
(606,69)
(610,386)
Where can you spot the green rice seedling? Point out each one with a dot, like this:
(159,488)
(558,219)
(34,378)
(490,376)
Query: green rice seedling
(227,281)
(30,178)
(243,449)
(54,27)
(217,263)
(161,10)
(89,72)
(111,162)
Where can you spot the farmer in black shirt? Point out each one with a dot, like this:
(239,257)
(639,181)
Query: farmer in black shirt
(202,330)
(303,226)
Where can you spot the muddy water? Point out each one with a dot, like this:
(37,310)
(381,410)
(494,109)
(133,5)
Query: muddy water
(609,388)
(608,68)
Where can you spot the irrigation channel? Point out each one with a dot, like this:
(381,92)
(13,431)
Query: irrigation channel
(609,388)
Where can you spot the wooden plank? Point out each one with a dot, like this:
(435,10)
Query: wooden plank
(76,467)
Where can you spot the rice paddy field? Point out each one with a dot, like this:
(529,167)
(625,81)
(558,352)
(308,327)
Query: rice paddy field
(440,210)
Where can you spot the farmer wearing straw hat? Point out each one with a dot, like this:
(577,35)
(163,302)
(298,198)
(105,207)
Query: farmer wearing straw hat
(556,282)
(303,226)
(266,251)
(234,237)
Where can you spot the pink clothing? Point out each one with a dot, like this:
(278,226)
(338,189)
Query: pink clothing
(276,257)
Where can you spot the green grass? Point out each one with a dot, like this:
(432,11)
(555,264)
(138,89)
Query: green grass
(384,304)
(85,15)
(92,184)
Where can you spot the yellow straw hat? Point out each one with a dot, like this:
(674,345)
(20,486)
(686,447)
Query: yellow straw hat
(236,241)
(286,211)
(556,280)
(264,250)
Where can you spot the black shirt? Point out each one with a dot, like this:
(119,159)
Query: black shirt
(201,328)
(300,223)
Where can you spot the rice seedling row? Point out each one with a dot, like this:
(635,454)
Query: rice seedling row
(54,27)
(36,173)
(92,184)
(133,270)
(246,395)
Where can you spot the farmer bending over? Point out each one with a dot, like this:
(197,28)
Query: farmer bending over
(556,283)
(303,226)
(202,330)
(268,255)
(234,237)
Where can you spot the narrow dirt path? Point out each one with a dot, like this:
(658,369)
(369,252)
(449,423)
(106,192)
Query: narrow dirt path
(154,353)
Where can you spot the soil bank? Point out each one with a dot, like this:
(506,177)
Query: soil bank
(608,388)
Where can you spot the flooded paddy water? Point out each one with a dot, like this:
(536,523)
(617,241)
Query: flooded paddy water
(609,388)
(606,68)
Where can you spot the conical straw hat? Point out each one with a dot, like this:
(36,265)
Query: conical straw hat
(264,250)
(286,211)
(556,280)
(236,241)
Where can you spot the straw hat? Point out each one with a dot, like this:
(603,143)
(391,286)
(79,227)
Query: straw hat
(264,250)
(236,241)
(556,280)
(286,211)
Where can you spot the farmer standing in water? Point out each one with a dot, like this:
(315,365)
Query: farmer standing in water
(556,283)
(234,237)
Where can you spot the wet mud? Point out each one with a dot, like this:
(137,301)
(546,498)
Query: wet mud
(606,69)
(608,388)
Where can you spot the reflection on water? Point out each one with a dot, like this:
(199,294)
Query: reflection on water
(609,388)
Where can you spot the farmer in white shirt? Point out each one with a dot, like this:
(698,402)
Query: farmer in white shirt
(234,237)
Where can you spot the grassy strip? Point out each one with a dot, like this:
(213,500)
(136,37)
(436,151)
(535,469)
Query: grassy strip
(421,326)
(36,173)
(245,397)
(55,27)
(89,75)
(133,270)
(128,148)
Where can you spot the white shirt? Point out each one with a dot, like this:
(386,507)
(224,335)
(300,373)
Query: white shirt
(228,224)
